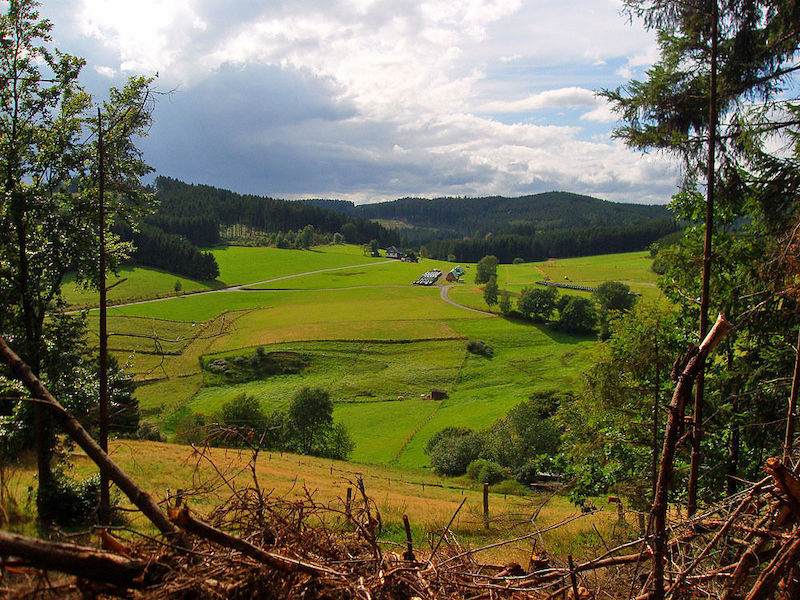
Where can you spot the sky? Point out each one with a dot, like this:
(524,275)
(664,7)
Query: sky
(373,100)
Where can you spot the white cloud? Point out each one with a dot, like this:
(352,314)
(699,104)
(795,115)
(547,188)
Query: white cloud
(641,59)
(106,71)
(401,89)
(559,98)
(603,113)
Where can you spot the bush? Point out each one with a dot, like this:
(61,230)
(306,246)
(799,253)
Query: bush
(68,502)
(191,429)
(243,419)
(504,303)
(528,472)
(445,433)
(509,486)
(519,261)
(148,431)
(538,303)
(480,348)
(578,315)
(485,471)
(311,427)
(452,455)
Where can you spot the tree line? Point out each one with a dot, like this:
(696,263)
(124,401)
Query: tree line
(169,251)
(561,243)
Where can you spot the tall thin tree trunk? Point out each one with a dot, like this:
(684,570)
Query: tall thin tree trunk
(655,436)
(697,437)
(788,442)
(42,430)
(734,431)
(104,510)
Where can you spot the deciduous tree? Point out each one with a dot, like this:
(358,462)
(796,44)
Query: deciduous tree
(485,269)
(47,228)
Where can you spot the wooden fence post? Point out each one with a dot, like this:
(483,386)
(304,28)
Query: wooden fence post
(486,505)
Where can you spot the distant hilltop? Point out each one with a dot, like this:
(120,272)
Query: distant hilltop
(524,215)
(535,227)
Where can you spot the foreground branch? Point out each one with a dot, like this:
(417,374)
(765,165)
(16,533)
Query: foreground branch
(76,560)
(182,518)
(692,365)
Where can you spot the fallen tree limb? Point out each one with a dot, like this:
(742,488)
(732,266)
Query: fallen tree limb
(745,503)
(686,373)
(75,430)
(787,481)
(76,560)
(751,557)
(182,518)
(780,565)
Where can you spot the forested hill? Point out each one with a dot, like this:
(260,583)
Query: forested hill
(198,212)
(530,227)
(498,214)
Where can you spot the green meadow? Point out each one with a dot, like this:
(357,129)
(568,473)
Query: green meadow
(631,268)
(238,266)
(377,343)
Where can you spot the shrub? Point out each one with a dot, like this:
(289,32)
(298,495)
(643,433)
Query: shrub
(191,429)
(528,472)
(485,471)
(243,417)
(578,315)
(480,348)
(504,303)
(445,433)
(148,431)
(69,502)
(509,486)
(312,430)
(452,455)
(538,303)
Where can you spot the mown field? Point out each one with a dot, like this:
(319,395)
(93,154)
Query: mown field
(375,342)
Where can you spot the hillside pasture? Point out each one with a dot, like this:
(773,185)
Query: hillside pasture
(428,500)
(386,273)
(238,266)
(370,337)
(132,284)
(631,268)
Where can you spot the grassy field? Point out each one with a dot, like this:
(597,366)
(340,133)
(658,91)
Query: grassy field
(374,341)
(237,266)
(631,268)
(429,501)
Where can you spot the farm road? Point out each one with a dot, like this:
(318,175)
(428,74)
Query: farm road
(241,287)
(446,298)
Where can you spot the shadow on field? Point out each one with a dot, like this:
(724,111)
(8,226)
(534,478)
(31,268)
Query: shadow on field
(562,337)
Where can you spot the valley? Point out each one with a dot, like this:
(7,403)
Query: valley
(376,343)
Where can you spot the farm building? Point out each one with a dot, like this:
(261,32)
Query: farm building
(455,274)
(437,394)
(394,252)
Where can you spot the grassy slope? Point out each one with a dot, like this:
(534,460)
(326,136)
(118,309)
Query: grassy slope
(237,266)
(339,318)
(395,491)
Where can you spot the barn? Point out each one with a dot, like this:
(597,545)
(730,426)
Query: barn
(455,274)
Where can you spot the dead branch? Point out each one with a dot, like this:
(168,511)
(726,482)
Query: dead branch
(184,520)
(77,560)
(692,364)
